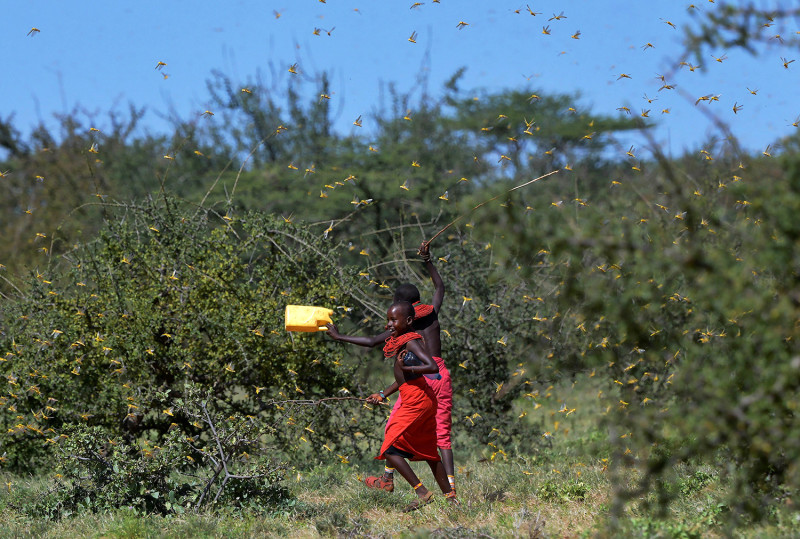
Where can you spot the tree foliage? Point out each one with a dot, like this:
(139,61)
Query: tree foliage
(683,296)
(745,25)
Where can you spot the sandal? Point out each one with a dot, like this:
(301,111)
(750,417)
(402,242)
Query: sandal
(379,483)
(419,502)
(451,497)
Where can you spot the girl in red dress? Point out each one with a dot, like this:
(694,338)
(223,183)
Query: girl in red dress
(411,432)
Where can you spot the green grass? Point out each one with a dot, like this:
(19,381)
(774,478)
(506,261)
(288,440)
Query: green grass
(558,491)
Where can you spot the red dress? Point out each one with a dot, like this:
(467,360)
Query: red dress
(412,426)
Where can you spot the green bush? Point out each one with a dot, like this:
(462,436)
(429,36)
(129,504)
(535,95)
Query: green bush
(168,295)
(223,462)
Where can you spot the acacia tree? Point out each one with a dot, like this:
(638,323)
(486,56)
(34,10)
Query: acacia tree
(526,131)
(170,295)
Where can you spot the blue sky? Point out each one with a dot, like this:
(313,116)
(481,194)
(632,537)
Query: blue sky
(103,55)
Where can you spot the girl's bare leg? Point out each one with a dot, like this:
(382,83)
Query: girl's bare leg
(447,461)
(440,475)
(403,468)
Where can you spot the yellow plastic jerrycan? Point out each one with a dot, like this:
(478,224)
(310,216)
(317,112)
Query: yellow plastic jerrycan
(306,318)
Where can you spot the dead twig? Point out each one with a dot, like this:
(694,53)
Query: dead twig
(454,221)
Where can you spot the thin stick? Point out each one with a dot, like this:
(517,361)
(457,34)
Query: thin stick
(320,401)
(487,201)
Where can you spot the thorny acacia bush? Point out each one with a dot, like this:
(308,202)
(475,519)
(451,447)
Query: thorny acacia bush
(169,295)
(221,462)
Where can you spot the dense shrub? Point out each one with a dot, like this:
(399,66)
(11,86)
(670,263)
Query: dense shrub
(169,295)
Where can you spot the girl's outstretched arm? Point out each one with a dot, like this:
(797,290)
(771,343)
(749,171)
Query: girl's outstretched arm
(369,342)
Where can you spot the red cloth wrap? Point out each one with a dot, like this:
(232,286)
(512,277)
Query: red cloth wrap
(412,427)
(443,390)
(393,344)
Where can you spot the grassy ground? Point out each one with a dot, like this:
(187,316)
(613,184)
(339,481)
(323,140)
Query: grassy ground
(558,491)
(497,500)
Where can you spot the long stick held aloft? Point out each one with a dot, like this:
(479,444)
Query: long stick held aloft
(487,201)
